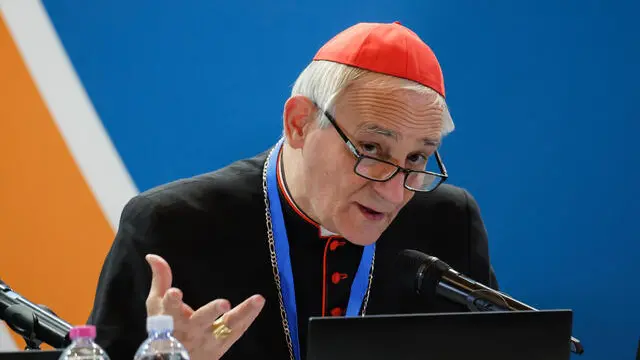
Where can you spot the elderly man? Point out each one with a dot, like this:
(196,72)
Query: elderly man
(310,227)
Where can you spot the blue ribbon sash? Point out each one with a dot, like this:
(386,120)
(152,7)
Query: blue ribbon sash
(360,282)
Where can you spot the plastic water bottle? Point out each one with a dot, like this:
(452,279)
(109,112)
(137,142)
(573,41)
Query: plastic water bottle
(82,345)
(161,345)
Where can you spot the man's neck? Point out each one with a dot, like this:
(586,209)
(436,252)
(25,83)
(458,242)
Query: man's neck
(294,179)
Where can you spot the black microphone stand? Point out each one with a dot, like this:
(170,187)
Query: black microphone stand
(32,321)
(23,325)
(24,322)
(488,299)
(434,276)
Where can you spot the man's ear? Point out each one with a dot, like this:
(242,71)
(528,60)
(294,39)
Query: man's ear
(299,116)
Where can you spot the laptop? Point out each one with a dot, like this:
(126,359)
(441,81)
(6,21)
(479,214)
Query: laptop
(523,335)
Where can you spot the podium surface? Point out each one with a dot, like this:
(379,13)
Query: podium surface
(525,335)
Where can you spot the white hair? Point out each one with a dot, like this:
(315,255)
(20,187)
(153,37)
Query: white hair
(323,81)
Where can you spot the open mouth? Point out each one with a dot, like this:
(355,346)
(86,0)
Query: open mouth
(370,214)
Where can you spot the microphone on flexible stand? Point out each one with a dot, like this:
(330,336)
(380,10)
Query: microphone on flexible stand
(36,323)
(428,275)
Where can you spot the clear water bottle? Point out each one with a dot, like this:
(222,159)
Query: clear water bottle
(161,345)
(83,346)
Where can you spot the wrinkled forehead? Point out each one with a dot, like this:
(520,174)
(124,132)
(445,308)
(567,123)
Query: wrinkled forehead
(387,97)
(376,89)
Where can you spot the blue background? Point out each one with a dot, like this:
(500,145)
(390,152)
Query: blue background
(543,93)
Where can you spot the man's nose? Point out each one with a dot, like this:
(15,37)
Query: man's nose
(392,190)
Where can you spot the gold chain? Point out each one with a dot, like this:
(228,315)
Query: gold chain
(274,263)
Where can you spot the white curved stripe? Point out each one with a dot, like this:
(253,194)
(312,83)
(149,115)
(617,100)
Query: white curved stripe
(69,105)
(6,341)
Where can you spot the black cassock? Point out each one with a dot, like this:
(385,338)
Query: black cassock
(211,230)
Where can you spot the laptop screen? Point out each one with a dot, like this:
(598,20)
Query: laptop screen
(526,335)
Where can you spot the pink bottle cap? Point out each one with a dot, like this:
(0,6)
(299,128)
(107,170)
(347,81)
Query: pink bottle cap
(84,331)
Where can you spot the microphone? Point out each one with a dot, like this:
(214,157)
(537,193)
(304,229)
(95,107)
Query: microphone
(428,276)
(31,321)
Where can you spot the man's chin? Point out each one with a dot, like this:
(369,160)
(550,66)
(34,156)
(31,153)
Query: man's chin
(361,238)
(361,231)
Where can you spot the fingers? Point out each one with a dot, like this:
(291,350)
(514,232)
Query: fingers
(186,311)
(242,316)
(172,303)
(161,279)
(161,275)
(195,327)
(238,320)
(206,315)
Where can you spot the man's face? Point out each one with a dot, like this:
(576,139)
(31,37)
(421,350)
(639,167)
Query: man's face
(382,122)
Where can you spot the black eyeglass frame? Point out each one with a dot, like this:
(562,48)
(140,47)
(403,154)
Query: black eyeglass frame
(359,157)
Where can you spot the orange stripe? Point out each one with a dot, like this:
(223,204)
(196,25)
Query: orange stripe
(54,235)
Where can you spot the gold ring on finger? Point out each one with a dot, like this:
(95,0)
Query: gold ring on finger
(220,329)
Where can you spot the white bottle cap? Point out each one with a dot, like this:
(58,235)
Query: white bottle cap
(160,323)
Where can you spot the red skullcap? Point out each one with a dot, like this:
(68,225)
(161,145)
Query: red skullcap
(390,49)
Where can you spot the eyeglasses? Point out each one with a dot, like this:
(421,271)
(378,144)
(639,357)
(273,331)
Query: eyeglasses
(380,170)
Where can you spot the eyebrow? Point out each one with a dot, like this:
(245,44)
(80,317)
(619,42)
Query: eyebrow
(376,129)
